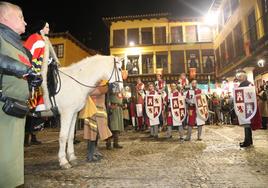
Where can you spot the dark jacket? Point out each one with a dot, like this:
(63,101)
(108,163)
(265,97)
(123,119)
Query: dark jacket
(9,65)
(244,83)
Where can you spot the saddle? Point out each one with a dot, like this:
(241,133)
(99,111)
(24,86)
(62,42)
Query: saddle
(53,85)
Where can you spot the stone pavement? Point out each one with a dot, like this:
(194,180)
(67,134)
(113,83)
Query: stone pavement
(217,161)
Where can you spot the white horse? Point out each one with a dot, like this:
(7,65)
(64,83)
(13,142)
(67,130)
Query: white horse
(76,84)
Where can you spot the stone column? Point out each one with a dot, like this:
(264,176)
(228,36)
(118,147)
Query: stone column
(231,83)
(169,62)
(154,62)
(140,64)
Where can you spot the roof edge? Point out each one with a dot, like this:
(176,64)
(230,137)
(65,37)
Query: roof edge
(68,35)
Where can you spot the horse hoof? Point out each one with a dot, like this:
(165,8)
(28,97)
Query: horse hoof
(74,162)
(66,166)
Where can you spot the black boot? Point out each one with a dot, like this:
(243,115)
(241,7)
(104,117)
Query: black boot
(116,140)
(96,152)
(248,135)
(109,143)
(245,136)
(34,140)
(264,122)
(26,140)
(90,152)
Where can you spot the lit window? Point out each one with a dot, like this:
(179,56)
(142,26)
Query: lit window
(59,50)
(191,34)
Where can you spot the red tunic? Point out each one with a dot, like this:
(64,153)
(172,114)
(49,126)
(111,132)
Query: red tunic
(140,100)
(160,85)
(36,45)
(183,82)
(132,107)
(140,91)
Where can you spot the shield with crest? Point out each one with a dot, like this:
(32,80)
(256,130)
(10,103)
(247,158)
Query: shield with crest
(245,102)
(153,106)
(201,106)
(178,108)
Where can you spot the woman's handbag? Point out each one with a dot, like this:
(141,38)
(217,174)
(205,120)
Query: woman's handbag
(13,107)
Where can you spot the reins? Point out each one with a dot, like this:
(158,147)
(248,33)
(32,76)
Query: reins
(97,86)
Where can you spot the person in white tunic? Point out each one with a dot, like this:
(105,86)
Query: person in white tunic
(171,120)
(153,106)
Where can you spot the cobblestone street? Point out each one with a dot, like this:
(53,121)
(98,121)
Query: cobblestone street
(217,161)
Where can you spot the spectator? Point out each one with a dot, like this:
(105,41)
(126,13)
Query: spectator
(115,103)
(263,104)
(226,107)
(216,107)
(15,65)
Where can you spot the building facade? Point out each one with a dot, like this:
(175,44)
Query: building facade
(241,38)
(68,49)
(159,41)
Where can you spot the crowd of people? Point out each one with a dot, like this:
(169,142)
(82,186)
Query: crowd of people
(221,107)
(154,107)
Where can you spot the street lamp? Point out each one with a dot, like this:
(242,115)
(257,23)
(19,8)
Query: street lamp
(131,43)
(261,62)
(211,18)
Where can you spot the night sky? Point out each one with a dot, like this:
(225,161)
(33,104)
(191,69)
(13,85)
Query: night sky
(83,18)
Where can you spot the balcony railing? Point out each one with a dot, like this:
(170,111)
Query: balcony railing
(169,78)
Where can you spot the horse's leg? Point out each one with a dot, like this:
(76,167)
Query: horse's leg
(66,119)
(70,150)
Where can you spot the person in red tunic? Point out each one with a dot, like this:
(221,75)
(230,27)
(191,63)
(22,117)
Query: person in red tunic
(160,84)
(132,111)
(183,81)
(161,88)
(171,121)
(140,103)
(42,51)
(193,119)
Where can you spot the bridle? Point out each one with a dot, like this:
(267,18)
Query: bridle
(115,71)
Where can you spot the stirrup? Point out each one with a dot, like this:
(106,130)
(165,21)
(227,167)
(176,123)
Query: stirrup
(55,110)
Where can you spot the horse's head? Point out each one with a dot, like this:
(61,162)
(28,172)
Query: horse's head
(115,79)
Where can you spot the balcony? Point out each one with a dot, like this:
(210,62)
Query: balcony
(202,78)
(249,48)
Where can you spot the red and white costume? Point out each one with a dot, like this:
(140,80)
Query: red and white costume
(140,103)
(152,121)
(170,120)
(183,82)
(132,111)
(192,114)
(160,85)
(36,45)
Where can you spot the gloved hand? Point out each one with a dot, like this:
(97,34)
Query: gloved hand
(34,78)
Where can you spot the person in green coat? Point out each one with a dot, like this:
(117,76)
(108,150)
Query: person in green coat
(15,70)
(116,122)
